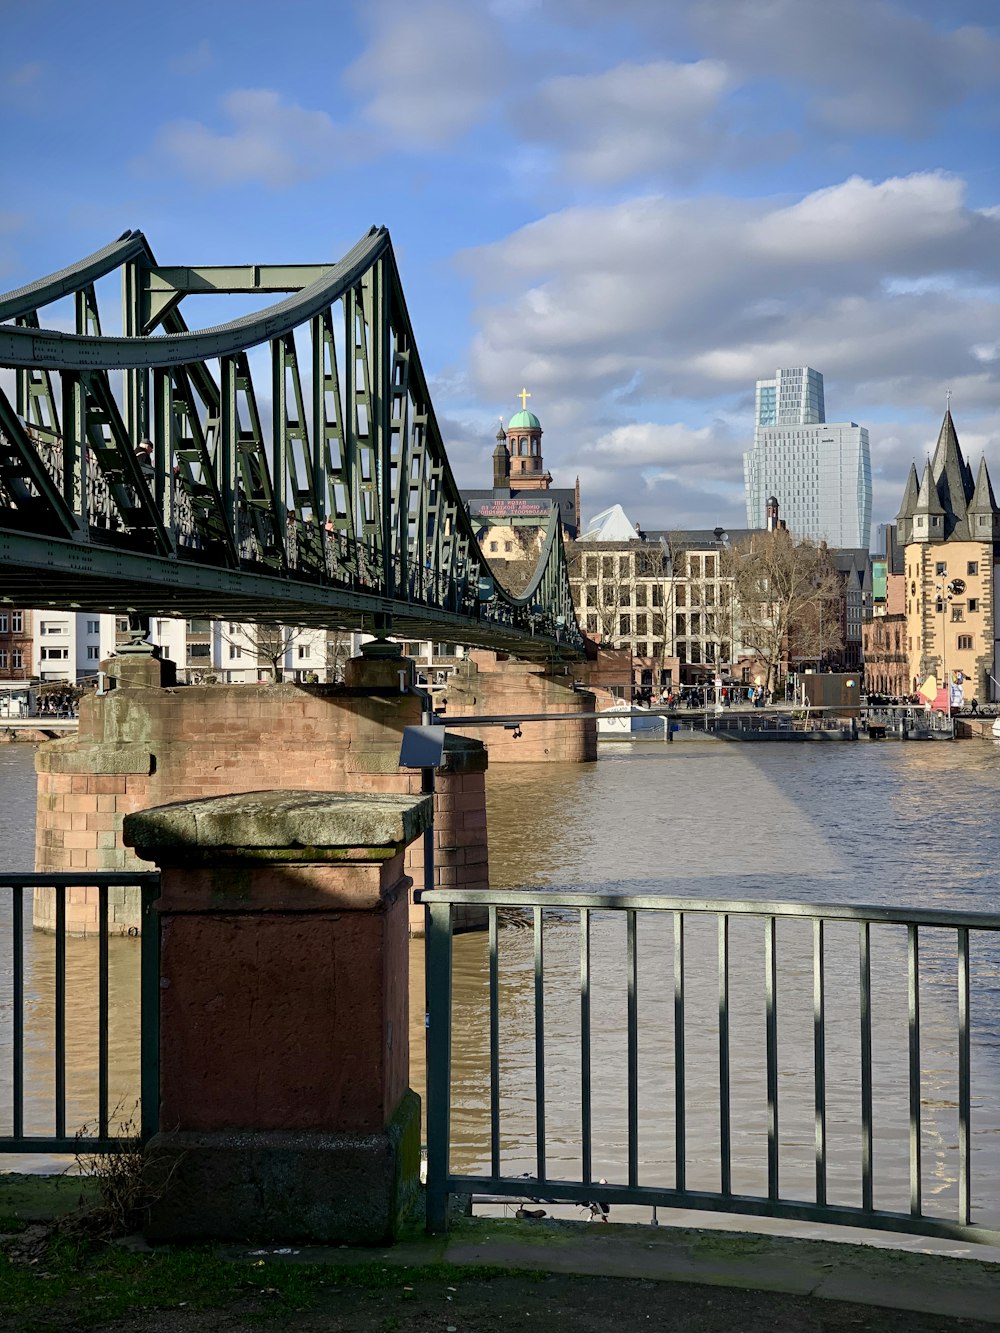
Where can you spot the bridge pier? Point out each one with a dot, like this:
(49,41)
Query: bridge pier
(491,685)
(284,1035)
(149,742)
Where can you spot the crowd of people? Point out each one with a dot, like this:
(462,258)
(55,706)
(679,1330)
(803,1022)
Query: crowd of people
(702,696)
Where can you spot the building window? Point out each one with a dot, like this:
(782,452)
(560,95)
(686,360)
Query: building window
(972,567)
(93,627)
(303,651)
(624,627)
(964,643)
(941,567)
(591,594)
(55,654)
(4,623)
(508,547)
(591,624)
(973,604)
(3,659)
(958,613)
(494,546)
(235,651)
(17,622)
(93,652)
(199,650)
(17,658)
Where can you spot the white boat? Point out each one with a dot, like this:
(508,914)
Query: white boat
(996,729)
(623,721)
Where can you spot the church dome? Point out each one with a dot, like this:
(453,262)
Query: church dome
(524,421)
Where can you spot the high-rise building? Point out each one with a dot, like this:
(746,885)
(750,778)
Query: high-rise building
(819,471)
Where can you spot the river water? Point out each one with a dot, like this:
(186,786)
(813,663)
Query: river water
(896,824)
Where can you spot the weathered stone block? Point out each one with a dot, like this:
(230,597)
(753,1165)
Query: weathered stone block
(286,1186)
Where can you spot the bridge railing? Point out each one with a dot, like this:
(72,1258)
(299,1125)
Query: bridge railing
(59,1000)
(820,1063)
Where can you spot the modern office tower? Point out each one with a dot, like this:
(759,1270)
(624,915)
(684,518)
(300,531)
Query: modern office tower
(819,471)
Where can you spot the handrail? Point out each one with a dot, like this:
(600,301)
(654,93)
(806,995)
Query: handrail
(888,972)
(61,1138)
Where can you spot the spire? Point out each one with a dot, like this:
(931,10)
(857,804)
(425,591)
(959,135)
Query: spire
(501,462)
(928,500)
(984,518)
(982,501)
(904,519)
(953,479)
(906,509)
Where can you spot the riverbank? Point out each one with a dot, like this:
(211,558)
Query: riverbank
(488,1274)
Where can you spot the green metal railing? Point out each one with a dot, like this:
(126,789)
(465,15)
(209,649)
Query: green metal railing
(687,995)
(15,993)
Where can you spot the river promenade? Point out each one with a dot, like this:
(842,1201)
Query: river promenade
(901,825)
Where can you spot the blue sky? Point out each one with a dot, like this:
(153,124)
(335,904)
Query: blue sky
(633,209)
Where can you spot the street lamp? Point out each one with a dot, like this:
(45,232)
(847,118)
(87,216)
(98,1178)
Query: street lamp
(945,593)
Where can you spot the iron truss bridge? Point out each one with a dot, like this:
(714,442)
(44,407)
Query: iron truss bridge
(296,472)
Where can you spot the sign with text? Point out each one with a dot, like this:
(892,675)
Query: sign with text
(510,508)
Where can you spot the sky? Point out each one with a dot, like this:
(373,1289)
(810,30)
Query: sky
(632,209)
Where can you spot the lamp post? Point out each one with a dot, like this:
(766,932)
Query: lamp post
(944,597)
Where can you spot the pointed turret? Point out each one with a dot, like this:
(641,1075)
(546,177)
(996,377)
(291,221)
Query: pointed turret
(953,479)
(501,462)
(984,517)
(928,512)
(904,519)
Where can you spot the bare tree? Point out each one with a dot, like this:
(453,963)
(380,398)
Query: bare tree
(787,596)
(338,652)
(268,644)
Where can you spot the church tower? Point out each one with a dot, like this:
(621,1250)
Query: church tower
(524,438)
(949,526)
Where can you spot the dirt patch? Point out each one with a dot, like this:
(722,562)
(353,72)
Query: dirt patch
(500,1304)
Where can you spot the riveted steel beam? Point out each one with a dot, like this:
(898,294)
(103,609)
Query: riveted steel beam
(337,506)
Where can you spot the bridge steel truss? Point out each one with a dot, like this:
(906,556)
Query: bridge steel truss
(297,472)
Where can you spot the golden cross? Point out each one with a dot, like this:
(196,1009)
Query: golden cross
(524,395)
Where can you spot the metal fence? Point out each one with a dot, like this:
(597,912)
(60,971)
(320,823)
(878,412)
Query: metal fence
(37,1006)
(880,1101)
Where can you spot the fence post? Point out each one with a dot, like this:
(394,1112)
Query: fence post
(284,1109)
(438,954)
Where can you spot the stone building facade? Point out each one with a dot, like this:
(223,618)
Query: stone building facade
(949,528)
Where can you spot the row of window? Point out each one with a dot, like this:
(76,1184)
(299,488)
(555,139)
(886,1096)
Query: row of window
(650,595)
(645,562)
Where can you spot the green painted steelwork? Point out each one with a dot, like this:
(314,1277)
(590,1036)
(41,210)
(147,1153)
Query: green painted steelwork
(62,1139)
(336,508)
(773,1201)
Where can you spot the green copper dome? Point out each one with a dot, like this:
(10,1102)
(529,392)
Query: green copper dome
(524,421)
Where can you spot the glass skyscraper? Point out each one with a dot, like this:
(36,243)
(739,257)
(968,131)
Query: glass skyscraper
(819,471)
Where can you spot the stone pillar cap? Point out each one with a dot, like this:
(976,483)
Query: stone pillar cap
(275,819)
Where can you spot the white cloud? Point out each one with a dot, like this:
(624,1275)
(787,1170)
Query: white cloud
(630,120)
(270,141)
(431,72)
(642,309)
(864,66)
